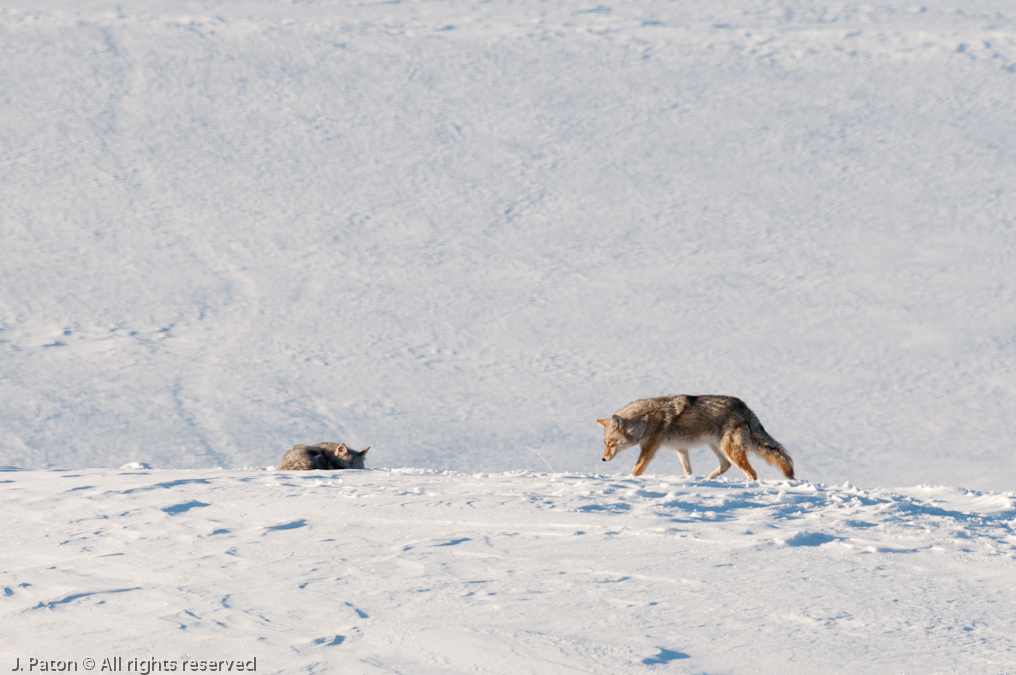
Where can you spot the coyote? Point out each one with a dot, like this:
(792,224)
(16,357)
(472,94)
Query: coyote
(724,423)
(324,455)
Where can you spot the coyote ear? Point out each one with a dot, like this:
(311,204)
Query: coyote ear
(364,451)
(616,422)
(603,423)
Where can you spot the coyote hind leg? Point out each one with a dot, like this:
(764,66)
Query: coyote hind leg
(734,444)
(724,462)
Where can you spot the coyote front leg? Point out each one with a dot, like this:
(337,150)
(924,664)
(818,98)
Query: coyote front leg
(649,449)
(682,454)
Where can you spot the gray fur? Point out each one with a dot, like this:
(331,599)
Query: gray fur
(324,456)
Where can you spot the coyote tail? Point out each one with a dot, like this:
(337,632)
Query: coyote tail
(768,447)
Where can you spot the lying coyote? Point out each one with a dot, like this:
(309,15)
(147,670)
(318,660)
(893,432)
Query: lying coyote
(324,455)
(724,423)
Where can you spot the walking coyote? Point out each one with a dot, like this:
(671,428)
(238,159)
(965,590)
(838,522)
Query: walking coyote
(724,423)
(324,455)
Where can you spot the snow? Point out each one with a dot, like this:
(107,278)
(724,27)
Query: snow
(419,571)
(460,232)
(254,224)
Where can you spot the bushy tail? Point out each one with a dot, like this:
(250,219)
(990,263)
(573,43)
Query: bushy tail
(768,448)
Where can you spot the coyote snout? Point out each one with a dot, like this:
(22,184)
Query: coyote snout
(724,423)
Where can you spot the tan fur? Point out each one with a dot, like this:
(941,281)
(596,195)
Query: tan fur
(724,423)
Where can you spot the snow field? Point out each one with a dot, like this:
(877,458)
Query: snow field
(460,232)
(412,571)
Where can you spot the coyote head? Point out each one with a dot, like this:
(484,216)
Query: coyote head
(344,458)
(619,434)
